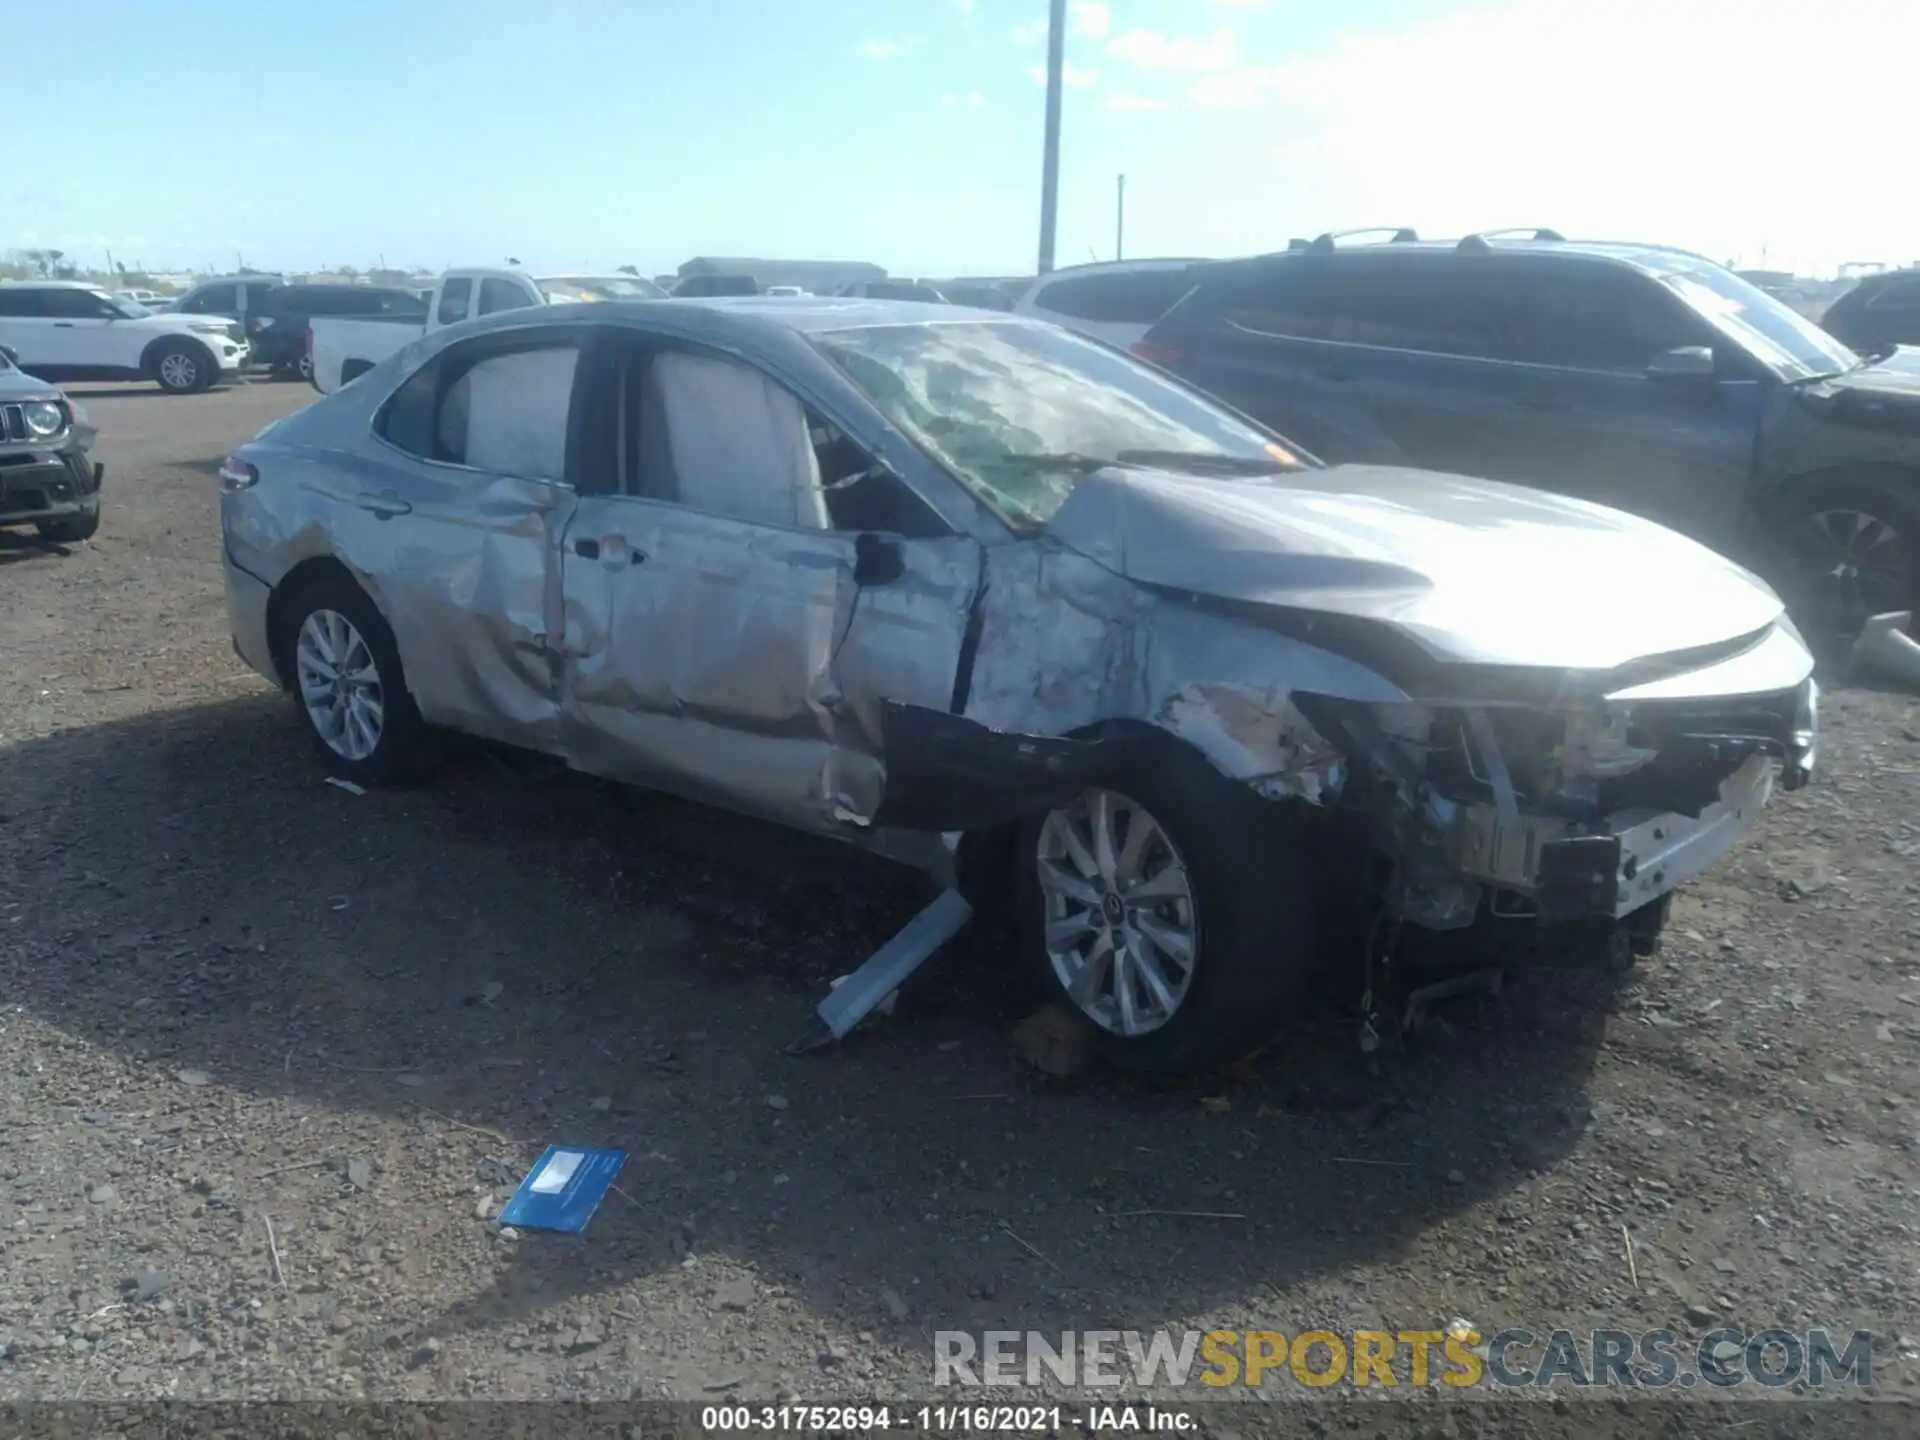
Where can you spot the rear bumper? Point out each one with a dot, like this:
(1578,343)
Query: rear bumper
(247,619)
(51,488)
(1627,862)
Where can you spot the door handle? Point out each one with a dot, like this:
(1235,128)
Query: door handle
(63,324)
(612,551)
(384,503)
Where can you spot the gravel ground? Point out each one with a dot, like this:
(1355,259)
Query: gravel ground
(273,1053)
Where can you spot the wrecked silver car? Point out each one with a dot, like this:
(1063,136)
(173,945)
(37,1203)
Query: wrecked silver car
(1003,603)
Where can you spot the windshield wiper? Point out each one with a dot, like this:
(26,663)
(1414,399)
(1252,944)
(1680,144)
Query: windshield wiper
(1062,460)
(1201,463)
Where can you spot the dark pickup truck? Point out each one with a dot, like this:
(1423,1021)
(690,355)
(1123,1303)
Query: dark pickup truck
(1637,376)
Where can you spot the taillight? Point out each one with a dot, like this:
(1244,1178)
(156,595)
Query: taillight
(1161,355)
(237,474)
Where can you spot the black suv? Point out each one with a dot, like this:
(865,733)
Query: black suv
(1880,311)
(277,329)
(1637,376)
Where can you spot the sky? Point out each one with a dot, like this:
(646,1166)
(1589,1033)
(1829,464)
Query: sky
(585,134)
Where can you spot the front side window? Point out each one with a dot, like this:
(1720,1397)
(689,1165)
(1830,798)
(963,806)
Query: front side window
(82,305)
(502,411)
(1018,412)
(1595,316)
(213,300)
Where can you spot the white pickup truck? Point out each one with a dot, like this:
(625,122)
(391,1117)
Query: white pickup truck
(342,347)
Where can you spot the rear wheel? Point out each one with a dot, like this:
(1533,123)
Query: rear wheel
(345,673)
(1170,908)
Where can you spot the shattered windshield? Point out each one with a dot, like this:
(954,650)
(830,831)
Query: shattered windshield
(1782,339)
(1021,412)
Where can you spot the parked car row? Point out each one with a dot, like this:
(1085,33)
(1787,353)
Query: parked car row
(1637,376)
(345,345)
(1010,604)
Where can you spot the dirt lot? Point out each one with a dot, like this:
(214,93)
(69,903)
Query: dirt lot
(235,996)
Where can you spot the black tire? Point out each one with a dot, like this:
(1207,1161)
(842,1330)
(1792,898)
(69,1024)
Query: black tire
(1252,901)
(72,530)
(403,750)
(1828,605)
(181,367)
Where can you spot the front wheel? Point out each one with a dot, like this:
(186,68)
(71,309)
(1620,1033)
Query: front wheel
(183,368)
(346,678)
(71,529)
(1843,554)
(1171,909)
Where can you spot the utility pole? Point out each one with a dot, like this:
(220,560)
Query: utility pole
(1050,168)
(1120,221)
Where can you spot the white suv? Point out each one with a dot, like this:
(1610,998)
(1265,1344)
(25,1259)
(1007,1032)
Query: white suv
(70,330)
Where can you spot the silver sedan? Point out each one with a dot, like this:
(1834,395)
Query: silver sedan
(1006,604)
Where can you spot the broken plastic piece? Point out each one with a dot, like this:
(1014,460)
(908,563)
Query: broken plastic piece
(564,1188)
(853,997)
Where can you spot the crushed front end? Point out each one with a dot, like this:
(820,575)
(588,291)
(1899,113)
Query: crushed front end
(1588,810)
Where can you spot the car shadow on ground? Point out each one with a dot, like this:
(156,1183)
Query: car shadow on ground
(17,546)
(188,893)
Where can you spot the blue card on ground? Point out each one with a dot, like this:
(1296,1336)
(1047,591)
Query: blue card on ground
(563,1189)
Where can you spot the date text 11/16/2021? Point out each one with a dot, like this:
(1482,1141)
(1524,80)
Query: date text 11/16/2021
(942,1419)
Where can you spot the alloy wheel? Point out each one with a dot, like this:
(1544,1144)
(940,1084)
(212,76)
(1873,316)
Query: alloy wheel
(179,372)
(1845,566)
(339,684)
(1121,925)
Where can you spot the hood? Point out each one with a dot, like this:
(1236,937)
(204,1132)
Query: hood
(18,387)
(1474,571)
(1881,394)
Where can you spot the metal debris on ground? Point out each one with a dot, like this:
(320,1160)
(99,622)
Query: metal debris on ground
(564,1188)
(853,997)
(346,785)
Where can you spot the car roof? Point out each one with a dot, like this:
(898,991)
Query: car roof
(1122,267)
(52,285)
(1650,258)
(825,312)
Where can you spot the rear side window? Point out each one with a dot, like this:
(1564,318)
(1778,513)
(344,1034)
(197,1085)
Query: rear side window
(20,304)
(1439,305)
(1137,297)
(453,301)
(502,295)
(499,408)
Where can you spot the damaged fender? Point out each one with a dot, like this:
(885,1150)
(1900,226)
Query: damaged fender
(1077,668)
